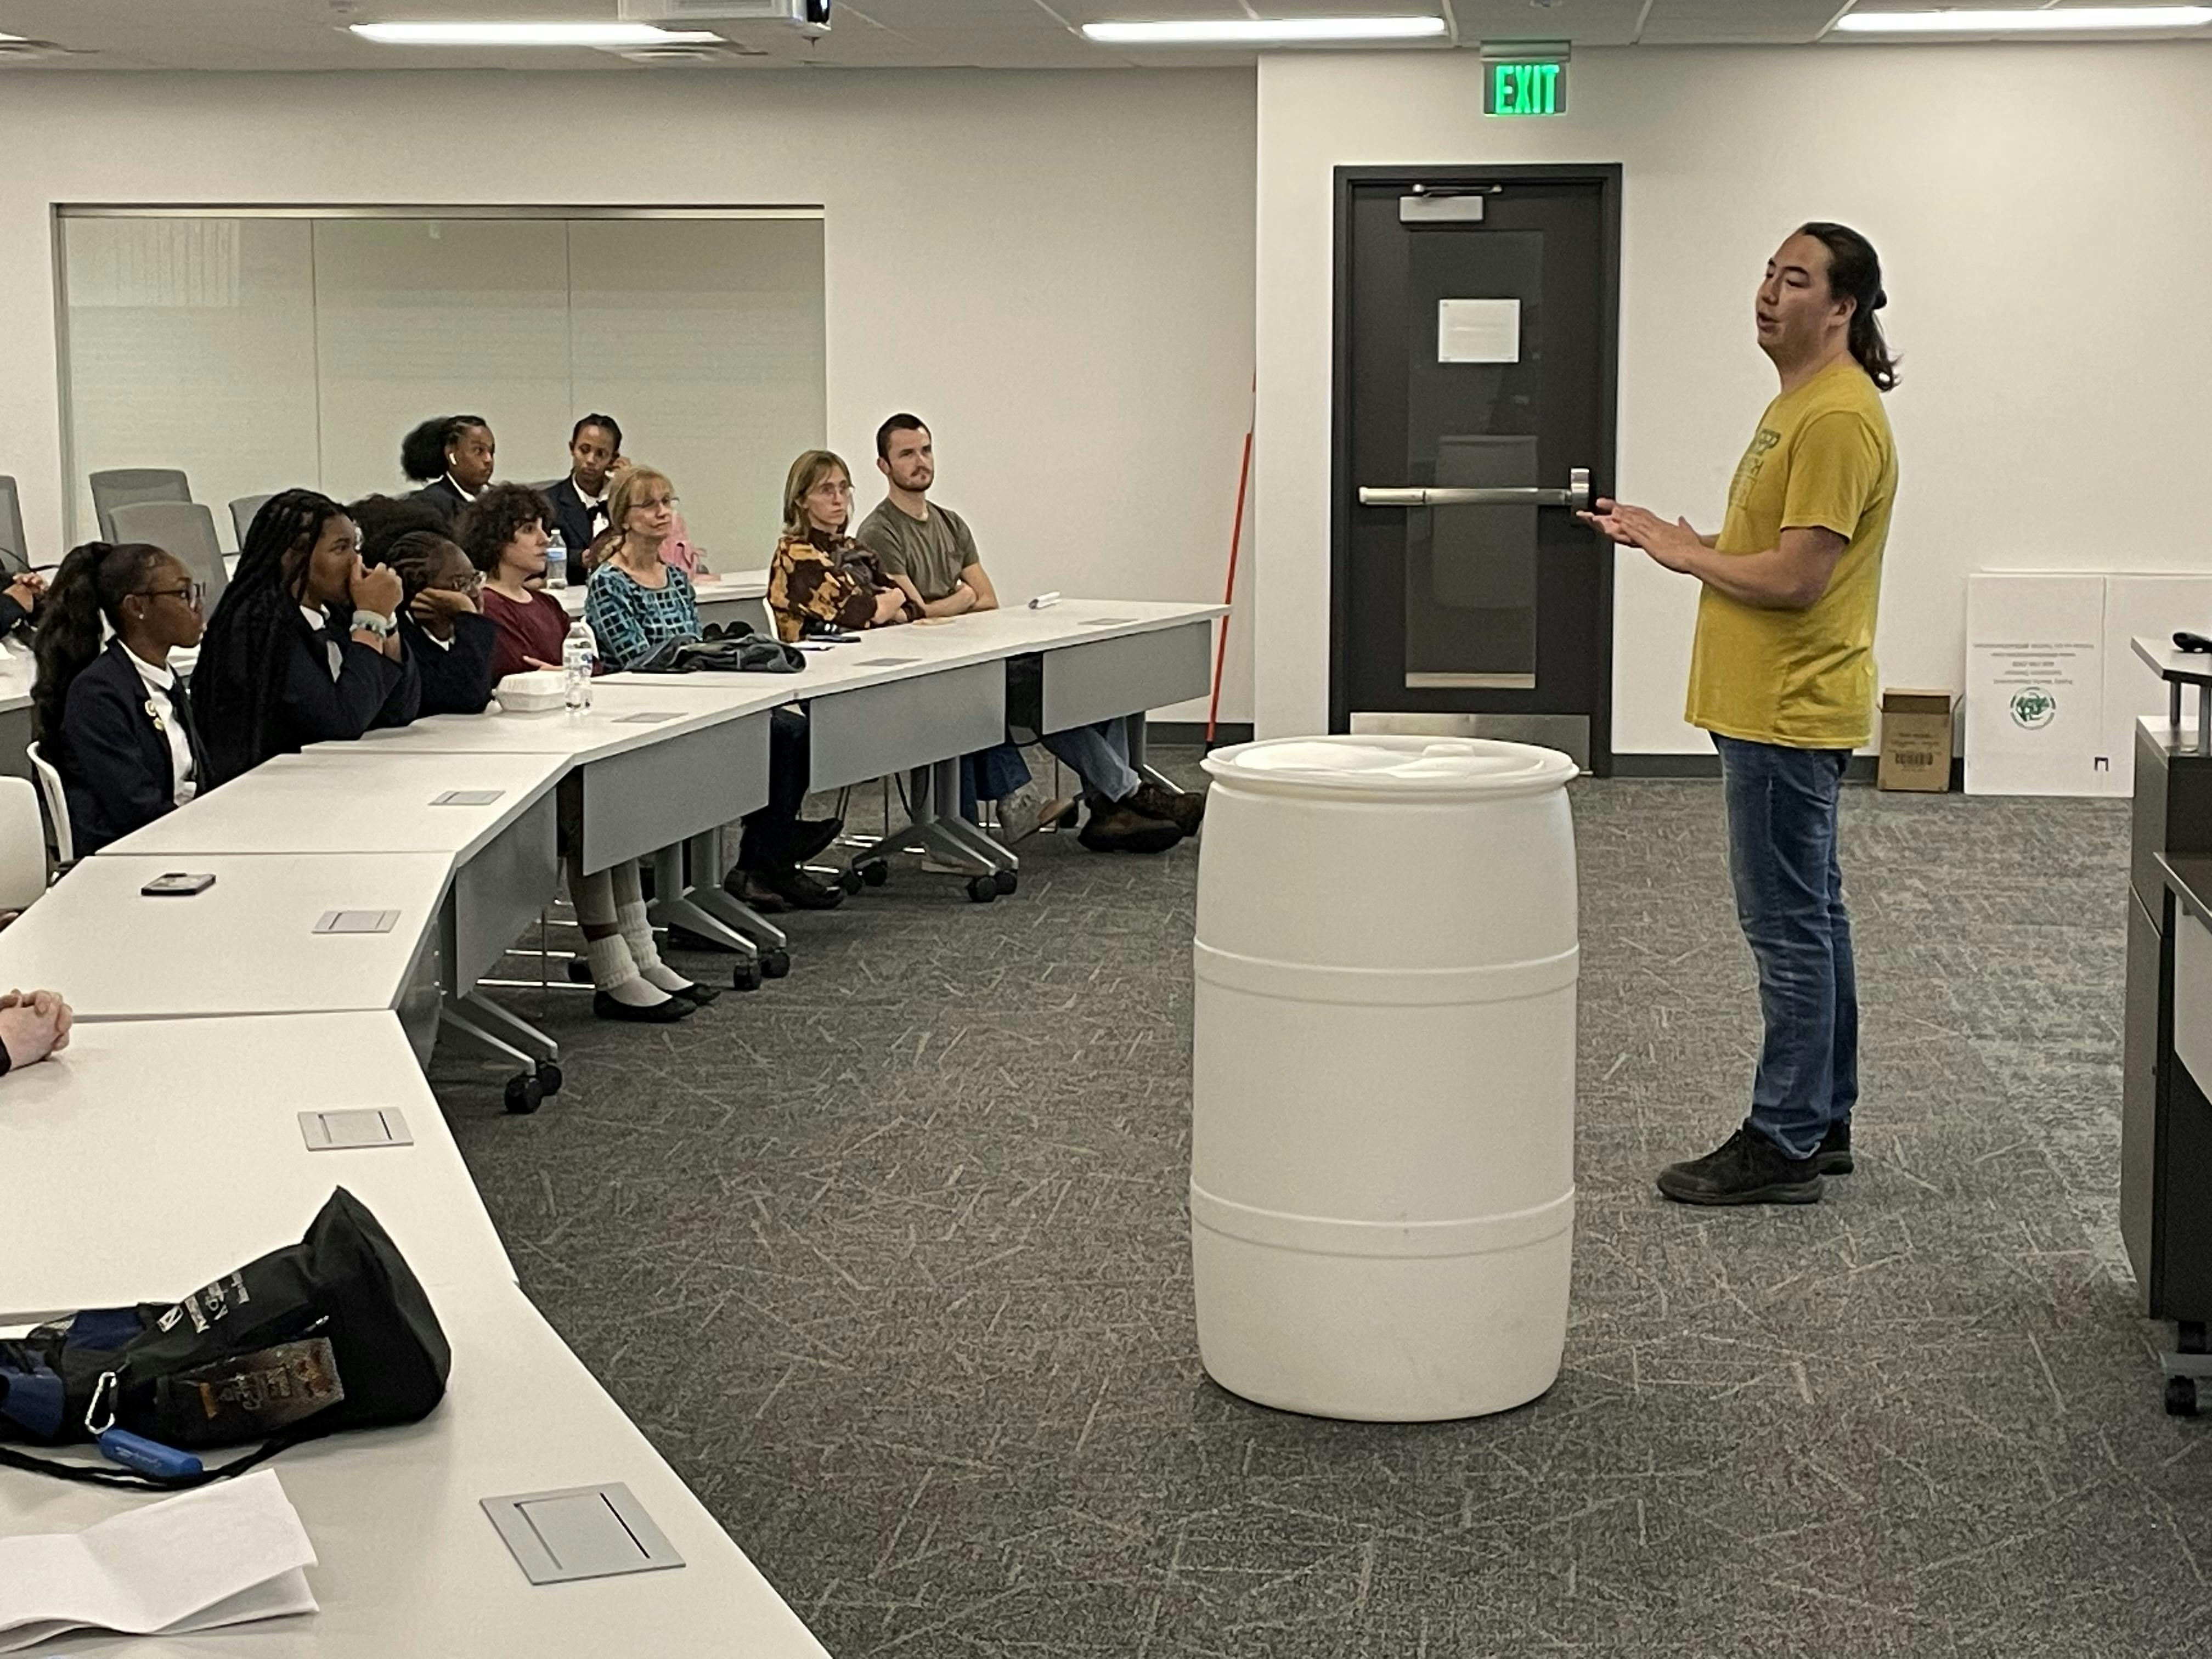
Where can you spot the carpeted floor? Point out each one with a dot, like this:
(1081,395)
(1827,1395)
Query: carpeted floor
(889,1261)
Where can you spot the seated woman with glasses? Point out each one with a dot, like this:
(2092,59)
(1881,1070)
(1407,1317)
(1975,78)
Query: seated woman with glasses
(636,604)
(114,720)
(820,577)
(443,633)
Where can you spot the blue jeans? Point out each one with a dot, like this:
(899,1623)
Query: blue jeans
(1782,811)
(994,774)
(1098,754)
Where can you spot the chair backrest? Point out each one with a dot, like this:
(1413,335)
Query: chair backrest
(128,486)
(185,529)
(57,800)
(14,546)
(241,514)
(22,845)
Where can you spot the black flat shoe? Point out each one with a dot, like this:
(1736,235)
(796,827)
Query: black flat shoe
(659,1013)
(697,994)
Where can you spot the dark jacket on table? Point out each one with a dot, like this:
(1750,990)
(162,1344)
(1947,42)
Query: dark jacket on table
(456,676)
(115,759)
(13,616)
(572,518)
(443,494)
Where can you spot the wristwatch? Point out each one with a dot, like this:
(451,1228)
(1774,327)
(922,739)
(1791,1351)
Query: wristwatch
(372,622)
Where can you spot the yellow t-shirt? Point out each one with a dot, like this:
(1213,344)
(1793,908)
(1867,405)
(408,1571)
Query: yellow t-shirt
(1823,458)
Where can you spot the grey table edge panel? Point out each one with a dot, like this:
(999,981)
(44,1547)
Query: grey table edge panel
(872,730)
(499,890)
(648,798)
(1102,679)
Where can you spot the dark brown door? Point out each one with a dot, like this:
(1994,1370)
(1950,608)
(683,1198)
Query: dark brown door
(1476,327)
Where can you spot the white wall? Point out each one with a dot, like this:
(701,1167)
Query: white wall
(1055,270)
(2045,212)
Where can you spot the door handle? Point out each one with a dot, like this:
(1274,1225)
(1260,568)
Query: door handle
(1577,495)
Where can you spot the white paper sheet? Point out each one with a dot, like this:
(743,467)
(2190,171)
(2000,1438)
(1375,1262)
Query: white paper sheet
(1478,330)
(222,1554)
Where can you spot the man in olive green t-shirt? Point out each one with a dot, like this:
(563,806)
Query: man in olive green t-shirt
(928,551)
(1782,674)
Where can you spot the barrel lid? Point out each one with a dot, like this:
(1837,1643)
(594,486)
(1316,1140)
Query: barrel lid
(1372,764)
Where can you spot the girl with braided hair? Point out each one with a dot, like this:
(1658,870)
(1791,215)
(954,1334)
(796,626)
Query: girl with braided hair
(113,717)
(304,647)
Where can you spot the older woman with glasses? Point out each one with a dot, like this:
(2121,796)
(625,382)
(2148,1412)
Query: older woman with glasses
(114,720)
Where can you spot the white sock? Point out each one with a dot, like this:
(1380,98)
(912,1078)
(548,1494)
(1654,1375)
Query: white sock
(614,972)
(637,933)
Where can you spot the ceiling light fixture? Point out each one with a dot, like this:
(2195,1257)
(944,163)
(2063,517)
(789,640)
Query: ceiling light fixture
(2054,20)
(602,35)
(1264,31)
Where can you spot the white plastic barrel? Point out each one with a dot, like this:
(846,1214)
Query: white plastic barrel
(1382,1190)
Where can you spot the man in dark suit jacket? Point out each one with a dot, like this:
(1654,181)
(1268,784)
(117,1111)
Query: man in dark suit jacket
(580,500)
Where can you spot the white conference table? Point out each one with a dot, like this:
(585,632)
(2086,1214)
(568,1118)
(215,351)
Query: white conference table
(247,946)
(184,1160)
(409,1564)
(349,798)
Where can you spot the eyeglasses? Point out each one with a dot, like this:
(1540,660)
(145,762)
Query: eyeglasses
(190,593)
(468,582)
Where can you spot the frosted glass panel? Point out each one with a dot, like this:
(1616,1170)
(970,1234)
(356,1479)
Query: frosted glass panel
(191,344)
(262,353)
(704,338)
(424,317)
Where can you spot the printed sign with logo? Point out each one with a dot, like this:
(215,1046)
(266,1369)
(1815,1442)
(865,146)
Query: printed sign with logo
(2035,684)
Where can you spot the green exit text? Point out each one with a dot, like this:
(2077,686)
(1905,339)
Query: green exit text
(1526,90)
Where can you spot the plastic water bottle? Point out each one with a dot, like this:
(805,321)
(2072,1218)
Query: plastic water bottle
(556,562)
(580,651)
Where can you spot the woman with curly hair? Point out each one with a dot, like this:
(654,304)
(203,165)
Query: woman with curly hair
(504,533)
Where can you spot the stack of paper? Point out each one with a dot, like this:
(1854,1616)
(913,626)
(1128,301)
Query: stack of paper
(228,1553)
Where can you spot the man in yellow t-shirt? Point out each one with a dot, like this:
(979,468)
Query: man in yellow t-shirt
(1783,675)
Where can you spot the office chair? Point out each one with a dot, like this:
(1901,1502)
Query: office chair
(184,528)
(130,486)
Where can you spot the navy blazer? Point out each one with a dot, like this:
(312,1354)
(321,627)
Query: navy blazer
(113,750)
(443,496)
(572,518)
(456,678)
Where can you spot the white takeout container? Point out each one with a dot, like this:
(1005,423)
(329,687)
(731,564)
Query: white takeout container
(532,692)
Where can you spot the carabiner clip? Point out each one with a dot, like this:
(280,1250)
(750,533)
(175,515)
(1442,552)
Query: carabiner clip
(102,1391)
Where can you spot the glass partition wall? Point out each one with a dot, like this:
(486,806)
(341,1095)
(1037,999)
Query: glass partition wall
(259,349)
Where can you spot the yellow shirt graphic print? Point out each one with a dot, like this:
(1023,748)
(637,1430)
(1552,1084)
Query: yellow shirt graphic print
(1822,458)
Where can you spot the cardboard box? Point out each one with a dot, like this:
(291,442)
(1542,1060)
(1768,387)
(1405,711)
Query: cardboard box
(1915,741)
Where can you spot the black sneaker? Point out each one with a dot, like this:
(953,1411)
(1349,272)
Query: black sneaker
(1746,1168)
(798,890)
(1117,826)
(1180,807)
(1834,1157)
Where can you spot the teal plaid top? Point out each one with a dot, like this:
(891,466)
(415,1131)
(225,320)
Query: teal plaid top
(630,619)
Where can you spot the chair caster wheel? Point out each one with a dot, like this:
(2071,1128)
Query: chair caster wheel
(776,963)
(747,975)
(1006,880)
(1068,819)
(850,880)
(549,1078)
(525,1094)
(2181,1396)
(579,971)
(983,888)
(874,872)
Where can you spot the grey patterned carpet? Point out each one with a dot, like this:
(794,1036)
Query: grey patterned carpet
(889,1261)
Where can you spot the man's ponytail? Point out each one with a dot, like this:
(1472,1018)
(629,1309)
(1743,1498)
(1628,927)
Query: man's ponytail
(1855,274)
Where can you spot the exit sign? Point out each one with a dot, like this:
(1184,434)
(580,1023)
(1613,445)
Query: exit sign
(1530,88)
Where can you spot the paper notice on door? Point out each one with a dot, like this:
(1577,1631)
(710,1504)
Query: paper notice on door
(1478,330)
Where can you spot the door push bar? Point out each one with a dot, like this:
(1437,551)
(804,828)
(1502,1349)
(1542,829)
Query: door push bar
(1577,495)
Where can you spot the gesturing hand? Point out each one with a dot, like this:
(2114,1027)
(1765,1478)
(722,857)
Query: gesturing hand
(1673,545)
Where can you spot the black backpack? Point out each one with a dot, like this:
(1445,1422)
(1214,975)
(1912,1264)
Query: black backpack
(332,1333)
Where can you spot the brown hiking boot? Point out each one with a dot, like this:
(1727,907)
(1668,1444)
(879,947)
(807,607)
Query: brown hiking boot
(1180,807)
(1117,826)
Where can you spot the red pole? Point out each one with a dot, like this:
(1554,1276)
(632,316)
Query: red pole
(1229,593)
